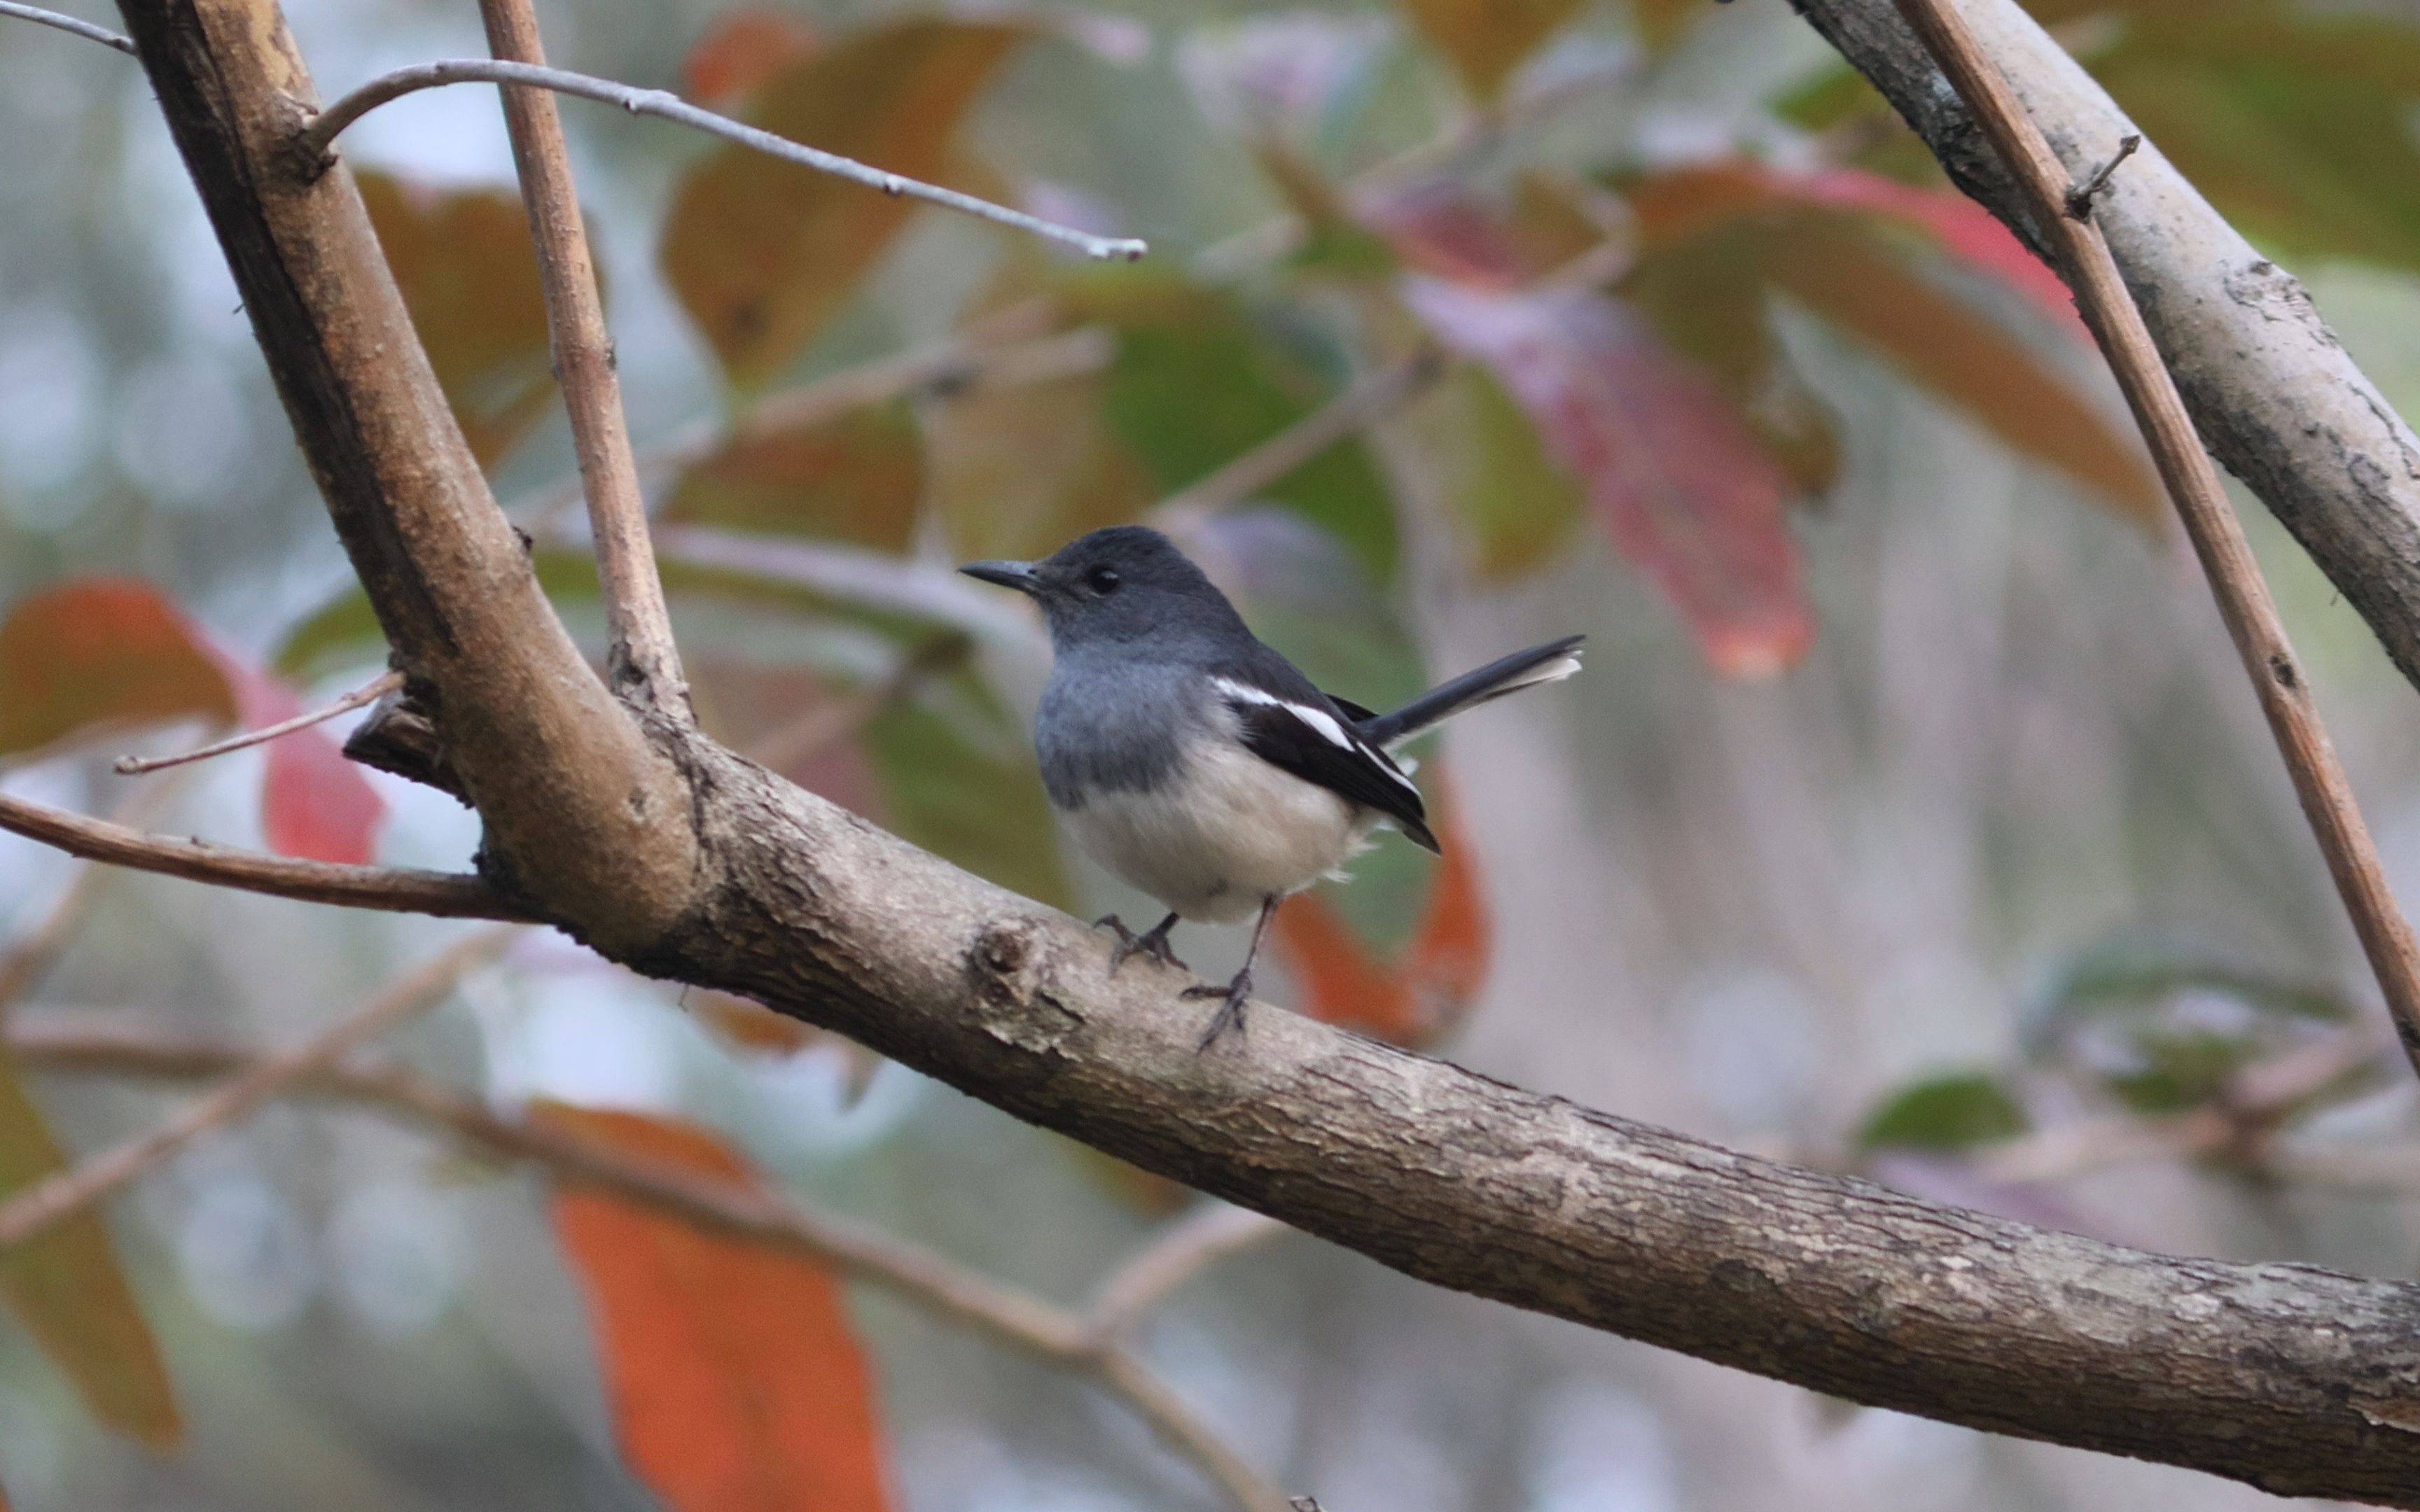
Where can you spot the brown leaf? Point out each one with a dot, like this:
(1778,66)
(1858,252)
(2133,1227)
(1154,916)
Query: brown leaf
(741,52)
(469,276)
(95,652)
(1019,471)
(1670,465)
(1487,40)
(762,251)
(735,1382)
(66,1287)
(854,477)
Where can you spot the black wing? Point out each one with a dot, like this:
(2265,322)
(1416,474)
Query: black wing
(1292,726)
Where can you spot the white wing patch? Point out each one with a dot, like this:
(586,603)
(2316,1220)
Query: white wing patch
(1323,723)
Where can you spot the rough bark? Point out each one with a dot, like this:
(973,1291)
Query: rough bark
(2277,399)
(2294,1379)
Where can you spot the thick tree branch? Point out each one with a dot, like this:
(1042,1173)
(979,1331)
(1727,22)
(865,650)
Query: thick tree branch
(640,658)
(2294,1379)
(394,889)
(664,105)
(2274,395)
(2062,211)
(578,804)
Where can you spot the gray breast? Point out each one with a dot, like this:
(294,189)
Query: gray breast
(1112,725)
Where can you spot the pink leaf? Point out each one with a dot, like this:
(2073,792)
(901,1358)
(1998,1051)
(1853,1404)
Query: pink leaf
(314,803)
(1668,461)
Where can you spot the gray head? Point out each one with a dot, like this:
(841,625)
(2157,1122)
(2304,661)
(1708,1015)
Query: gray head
(1120,583)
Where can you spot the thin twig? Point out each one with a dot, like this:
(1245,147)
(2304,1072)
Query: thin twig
(61,1196)
(1046,1332)
(2193,484)
(642,655)
(313,142)
(1180,1252)
(394,889)
(1371,398)
(369,692)
(2078,203)
(26,962)
(67,23)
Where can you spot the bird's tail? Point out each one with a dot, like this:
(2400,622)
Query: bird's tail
(1549,663)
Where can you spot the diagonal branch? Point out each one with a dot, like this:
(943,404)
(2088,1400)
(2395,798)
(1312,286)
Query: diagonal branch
(66,23)
(313,143)
(61,1196)
(369,692)
(394,889)
(2217,535)
(2277,397)
(641,658)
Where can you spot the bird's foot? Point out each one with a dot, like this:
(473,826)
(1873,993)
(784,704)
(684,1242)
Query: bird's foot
(1230,1011)
(1152,942)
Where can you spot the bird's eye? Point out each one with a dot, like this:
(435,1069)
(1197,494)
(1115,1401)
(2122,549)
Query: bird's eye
(1103,580)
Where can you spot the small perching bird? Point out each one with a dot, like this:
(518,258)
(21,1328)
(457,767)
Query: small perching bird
(1198,764)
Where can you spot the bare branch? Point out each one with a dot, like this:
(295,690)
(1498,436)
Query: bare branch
(1180,1252)
(61,1196)
(394,889)
(752,1211)
(314,141)
(641,658)
(369,692)
(2193,483)
(67,23)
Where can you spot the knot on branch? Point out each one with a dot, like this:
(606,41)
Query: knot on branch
(1009,970)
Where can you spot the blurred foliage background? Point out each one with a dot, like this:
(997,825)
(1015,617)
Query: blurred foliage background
(1911,816)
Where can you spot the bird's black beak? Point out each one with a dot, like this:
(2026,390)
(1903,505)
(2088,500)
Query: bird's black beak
(1017,575)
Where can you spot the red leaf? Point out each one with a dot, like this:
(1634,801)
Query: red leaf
(94,651)
(735,1382)
(1668,461)
(739,52)
(313,802)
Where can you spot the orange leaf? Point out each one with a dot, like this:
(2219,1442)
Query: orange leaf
(1343,983)
(1448,959)
(740,52)
(735,1382)
(469,276)
(854,477)
(102,651)
(762,251)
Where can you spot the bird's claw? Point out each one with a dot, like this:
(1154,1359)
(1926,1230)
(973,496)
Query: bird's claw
(1230,1011)
(1152,942)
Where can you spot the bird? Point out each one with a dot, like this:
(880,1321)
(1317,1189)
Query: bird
(1198,764)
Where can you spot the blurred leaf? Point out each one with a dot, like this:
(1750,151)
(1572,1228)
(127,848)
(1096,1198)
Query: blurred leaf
(762,251)
(2165,1026)
(752,707)
(1944,1113)
(975,799)
(735,1382)
(101,652)
(858,477)
(1668,462)
(1020,469)
(1484,455)
(1660,22)
(1198,381)
(742,50)
(2294,119)
(749,1026)
(1486,40)
(469,276)
(1715,238)
(1414,998)
(1441,224)
(65,1287)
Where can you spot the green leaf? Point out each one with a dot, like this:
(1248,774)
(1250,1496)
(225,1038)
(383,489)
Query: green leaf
(1480,452)
(66,1287)
(762,251)
(960,781)
(1944,1113)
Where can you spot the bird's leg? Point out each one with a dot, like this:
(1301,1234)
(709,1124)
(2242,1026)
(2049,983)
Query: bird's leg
(1153,942)
(1238,992)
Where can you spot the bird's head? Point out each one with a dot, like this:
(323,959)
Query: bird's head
(1114,585)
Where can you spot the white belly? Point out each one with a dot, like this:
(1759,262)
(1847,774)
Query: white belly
(1229,831)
